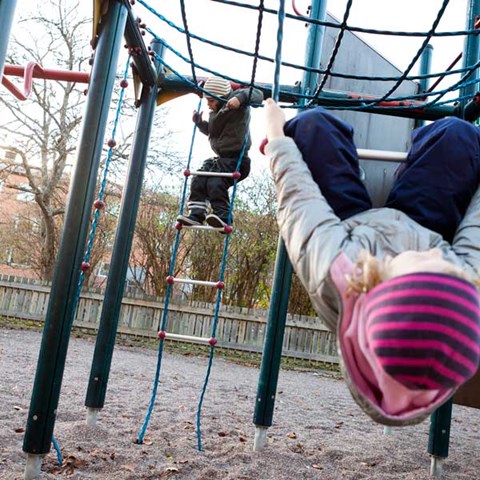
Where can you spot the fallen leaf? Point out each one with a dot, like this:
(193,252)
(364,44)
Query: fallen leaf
(19,430)
(291,435)
(318,467)
(172,470)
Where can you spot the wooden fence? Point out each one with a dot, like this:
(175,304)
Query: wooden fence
(237,328)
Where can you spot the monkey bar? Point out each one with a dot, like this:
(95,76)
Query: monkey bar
(33,70)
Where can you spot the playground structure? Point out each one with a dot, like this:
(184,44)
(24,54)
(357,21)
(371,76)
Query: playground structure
(157,82)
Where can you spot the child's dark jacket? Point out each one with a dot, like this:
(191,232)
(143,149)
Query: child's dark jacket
(226,129)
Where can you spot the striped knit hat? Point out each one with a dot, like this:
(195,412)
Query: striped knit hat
(424,329)
(217,86)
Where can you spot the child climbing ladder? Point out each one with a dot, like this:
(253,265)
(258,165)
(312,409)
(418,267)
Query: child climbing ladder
(228,133)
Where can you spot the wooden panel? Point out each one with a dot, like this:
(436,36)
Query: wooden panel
(240,328)
(469,393)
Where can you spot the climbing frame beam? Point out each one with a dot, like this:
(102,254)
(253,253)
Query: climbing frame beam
(61,306)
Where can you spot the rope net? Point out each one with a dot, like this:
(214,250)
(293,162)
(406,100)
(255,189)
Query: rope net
(224,38)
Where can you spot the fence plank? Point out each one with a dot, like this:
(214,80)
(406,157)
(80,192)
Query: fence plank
(238,328)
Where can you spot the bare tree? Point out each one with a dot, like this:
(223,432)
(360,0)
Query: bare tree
(43,129)
(253,246)
(154,239)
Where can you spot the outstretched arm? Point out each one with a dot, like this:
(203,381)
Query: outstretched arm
(242,97)
(311,230)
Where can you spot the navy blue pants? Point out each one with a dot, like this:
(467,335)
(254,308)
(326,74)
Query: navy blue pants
(434,187)
(215,189)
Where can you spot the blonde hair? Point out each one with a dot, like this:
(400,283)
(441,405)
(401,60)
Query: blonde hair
(369,271)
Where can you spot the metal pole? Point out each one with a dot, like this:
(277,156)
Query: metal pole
(425,69)
(7,12)
(471,51)
(272,350)
(313,52)
(439,437)
(61,307)
(112,303)
(271,358)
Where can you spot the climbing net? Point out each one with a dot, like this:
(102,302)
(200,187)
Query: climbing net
(227,45)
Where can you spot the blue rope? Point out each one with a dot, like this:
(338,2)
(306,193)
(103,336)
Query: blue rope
(163,322)
(101,192)
(94,223)
(186,60)
(369,103)
(319,71)
(420,50)
(187,35)
(57,449)
(352,28)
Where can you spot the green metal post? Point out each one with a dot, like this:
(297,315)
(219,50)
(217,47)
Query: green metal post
(112,303)
(425,69)
(471,50)
(313,52)
(7,12)
(61,307)
(439,436)
(272,350)
(271,358)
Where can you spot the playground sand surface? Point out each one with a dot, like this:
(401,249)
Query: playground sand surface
(318,431)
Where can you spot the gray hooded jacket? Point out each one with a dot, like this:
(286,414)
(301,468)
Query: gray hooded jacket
(314,235)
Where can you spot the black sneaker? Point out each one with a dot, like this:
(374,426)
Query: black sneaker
(216,222)
(190,220)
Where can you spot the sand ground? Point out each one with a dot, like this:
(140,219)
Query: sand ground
(318,431)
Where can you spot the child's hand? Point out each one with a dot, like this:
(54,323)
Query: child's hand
(233,103)
(274,120)
(197,116)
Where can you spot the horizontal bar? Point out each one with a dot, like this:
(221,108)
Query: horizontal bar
(187,338)
(199,227)
(48,74)
(202,173)
(333,99)
(385,155)
(195,282)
